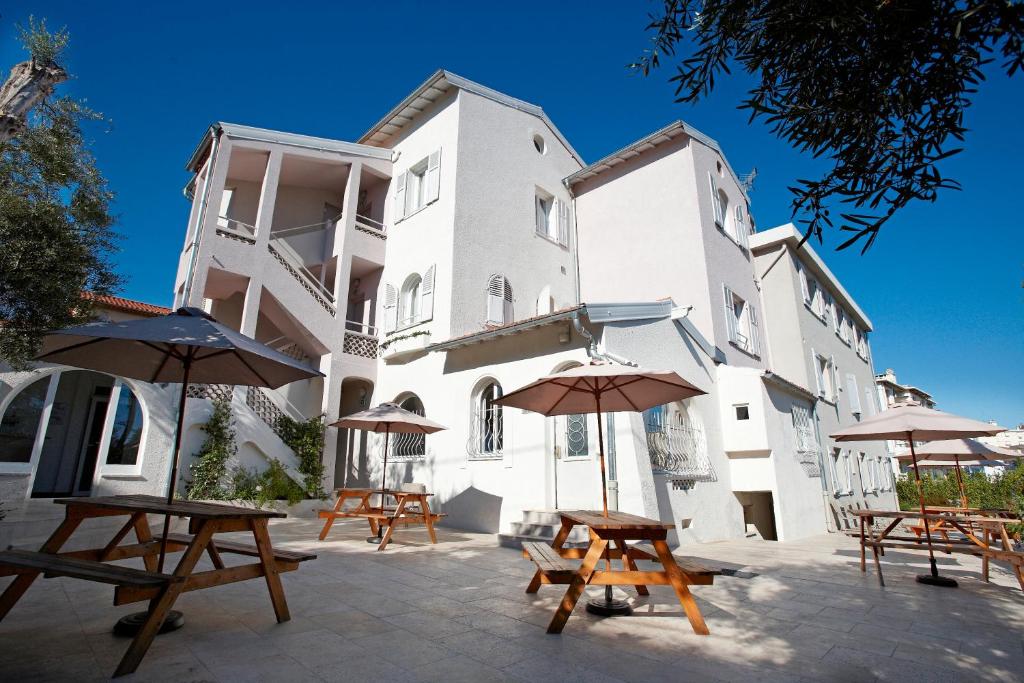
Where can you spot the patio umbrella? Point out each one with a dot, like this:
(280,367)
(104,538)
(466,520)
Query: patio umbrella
(596,388)
(387,418)
(185,346)
(913,422)
(968,452)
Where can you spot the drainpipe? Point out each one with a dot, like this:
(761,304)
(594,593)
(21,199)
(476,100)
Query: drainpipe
(201,218)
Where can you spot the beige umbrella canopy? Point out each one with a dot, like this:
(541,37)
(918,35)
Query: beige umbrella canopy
(387,418)
(958,452)
(596,388)
(912,422)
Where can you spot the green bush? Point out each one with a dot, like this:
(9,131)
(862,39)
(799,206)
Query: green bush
(264,487)
(1003,491)
(210,479)
(306,439)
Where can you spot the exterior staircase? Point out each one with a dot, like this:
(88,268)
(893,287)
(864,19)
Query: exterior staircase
(541,525)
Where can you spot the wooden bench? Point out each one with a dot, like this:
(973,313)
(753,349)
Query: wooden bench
(283,557)
(549,562)
(50,565)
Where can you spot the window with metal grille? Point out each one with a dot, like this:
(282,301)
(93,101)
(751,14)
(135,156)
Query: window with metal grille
(806,440)
(409,446)
(676,441)
(487,435)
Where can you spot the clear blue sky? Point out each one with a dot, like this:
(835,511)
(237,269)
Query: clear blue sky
(942,285)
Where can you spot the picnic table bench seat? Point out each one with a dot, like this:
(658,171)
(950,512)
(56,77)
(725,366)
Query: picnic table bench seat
(548,561)
(250,550)
(51,565)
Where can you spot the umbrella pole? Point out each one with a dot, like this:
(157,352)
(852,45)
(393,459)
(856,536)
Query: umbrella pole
(383,485)
(609,606)
(960,481)
(172,479)
(933,579)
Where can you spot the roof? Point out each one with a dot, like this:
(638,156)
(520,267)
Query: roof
(439,83)
(788,234)
(127,305)
(790,386)
(649,142)
(598,313)
(240,132)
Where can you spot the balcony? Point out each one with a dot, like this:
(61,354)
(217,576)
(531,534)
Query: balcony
(404,345)
(360,340)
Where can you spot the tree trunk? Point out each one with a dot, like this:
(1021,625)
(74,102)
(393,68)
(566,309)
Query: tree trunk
(28,84)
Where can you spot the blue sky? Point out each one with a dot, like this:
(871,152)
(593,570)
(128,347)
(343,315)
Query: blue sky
(942,284)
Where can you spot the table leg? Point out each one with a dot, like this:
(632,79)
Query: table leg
(579,581)
(161,605)
(399,509)
(21,584)
(870,521)
(984,555)
(427,519)
(1008,546)
(629,565)
(330,520)
(863,548)
(259,530)
(677,578)
(144,535)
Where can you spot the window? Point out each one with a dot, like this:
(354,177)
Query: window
(20,422)
(577,440)
(126,435)
(499,301)
(853,393)
(408,446)
(409,304)
(835,310)
(719,202)
(843,329)
(488,422)
(861,343)
(539,144)
(742,411)
(803,427)
(676,441)
(825,376)
(552,217)
(418,186)
(741,320)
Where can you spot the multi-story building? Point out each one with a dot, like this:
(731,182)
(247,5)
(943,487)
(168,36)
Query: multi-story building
(461,248)
(891,392)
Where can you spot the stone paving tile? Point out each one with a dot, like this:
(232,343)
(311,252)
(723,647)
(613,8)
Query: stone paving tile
(801,611)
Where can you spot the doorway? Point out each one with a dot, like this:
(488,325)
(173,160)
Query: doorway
(758,514)
(577,482)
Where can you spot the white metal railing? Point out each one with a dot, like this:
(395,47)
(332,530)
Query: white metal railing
(361,328)
(374,227)
(287,257)
(236,228)
(301,229)
(487,437)
(677,444)
(407,446)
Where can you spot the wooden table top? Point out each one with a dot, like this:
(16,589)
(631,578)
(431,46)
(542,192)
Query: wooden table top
(935,516)
(180,508)
(595,519)
(390,492)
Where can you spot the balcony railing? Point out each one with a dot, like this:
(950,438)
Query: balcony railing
(360,344)
(371,226)
(236,229)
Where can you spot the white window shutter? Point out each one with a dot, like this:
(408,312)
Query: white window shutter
(225,206)
(816,369)
(398,209)
(802,274)
(563,223)
(390,308)
(541,216)
(427,295)
(716,205)
(507,313)
(742,232)
(730,312)
(755,331)
(834,377)
(433,178)
(869,401)
(854,393)
(496,300)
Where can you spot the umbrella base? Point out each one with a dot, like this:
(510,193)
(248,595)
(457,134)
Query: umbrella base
(609,607)
(130,625)
(937,580)
(374,539)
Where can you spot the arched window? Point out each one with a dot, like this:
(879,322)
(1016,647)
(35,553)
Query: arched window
(409,301)
(487,436)
(20,422)
(126,435)
(499,300)
(409,446)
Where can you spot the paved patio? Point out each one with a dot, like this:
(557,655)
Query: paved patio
(457,612)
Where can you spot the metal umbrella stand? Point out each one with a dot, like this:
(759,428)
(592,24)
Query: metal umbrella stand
(387,418)
(598,388)
(185,346)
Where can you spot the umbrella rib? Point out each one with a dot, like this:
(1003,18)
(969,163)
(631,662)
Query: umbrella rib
(251,368)
(160,367)
(71,347)
(218,352)
(562,398)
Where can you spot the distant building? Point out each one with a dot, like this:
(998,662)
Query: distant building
(891,392)
(1011,438)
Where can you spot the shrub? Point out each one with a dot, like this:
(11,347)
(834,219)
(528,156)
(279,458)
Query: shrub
(264,487)
(306,439)
(1003,491)
(210,470)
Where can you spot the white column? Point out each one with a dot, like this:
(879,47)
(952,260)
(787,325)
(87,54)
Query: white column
(209,223)
(251,307)
(268,198)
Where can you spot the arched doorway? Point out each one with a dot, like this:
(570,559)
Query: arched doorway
(350,464)
(63,426)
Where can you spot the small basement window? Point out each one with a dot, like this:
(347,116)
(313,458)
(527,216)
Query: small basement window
(742,412)
(539,144)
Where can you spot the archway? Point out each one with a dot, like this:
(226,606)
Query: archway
(350,464)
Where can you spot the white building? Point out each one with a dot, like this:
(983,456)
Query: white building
(460,249)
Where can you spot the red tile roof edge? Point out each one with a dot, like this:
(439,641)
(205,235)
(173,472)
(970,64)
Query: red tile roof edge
(127,305)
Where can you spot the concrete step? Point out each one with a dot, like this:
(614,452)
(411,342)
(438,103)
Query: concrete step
(516,542)
(542,517)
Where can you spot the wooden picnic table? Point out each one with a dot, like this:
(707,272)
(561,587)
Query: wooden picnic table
(620,529)
(992,529)
(160,589)
(411,507)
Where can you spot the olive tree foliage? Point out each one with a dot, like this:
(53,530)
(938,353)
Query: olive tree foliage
(56,229)
(877,88)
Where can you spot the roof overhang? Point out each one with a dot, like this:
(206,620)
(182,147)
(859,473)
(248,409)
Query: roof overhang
(435,87)
(788,386)
(788,234)
(239,132)
(647,143)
